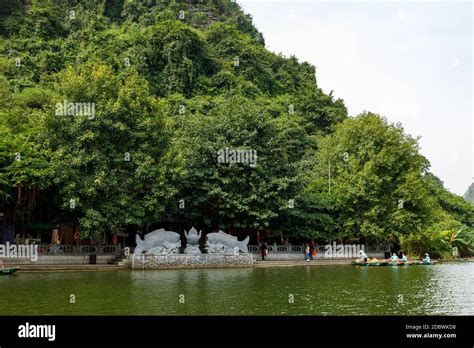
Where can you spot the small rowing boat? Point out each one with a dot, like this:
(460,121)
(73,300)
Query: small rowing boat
(423,263)
(380,263)
(7,271)
(355,263)
(412,263)
(399,263)
(395,264)
(371,263)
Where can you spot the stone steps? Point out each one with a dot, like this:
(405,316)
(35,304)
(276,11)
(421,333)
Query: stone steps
(69,268)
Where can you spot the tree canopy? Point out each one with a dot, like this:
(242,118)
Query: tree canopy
(113,115)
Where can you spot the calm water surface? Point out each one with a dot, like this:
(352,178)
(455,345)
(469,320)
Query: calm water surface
(443,289)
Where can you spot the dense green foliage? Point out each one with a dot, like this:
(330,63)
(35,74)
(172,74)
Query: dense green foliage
(377,189)
(174,82)
(451,224)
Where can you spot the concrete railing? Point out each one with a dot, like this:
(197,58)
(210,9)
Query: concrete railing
(55,249)
(299,249)
(275,248)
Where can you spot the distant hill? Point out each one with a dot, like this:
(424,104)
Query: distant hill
(469,195)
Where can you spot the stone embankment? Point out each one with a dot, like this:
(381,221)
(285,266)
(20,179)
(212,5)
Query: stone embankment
(295,263)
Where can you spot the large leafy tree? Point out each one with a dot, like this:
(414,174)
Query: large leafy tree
(107,165)
(24,162)
(376,189)
(233,196)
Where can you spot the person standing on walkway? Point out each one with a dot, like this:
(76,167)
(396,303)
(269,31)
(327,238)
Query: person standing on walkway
(311,249)
(307,252)
(263,249)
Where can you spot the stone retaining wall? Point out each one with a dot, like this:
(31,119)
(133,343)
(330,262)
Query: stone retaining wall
(191,261)
(58,260)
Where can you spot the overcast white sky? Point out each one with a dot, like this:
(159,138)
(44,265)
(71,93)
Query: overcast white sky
(410,61)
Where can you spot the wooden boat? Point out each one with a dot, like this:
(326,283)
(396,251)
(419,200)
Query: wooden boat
(354,263)
(424,263)
(399,263)
(7,271)
(378,263)
(395,264)
(370,263)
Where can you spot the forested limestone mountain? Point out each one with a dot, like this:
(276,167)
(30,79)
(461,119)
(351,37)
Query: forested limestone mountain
(469,195)
(112,114)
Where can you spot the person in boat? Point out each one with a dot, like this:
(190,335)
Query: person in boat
(427,258)
(394,258)
(374,260)
(362,256)
(404,258)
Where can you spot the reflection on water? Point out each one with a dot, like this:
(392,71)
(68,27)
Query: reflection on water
(444,289)
(451,289)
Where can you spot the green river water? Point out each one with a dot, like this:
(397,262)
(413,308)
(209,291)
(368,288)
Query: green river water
(442,289)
